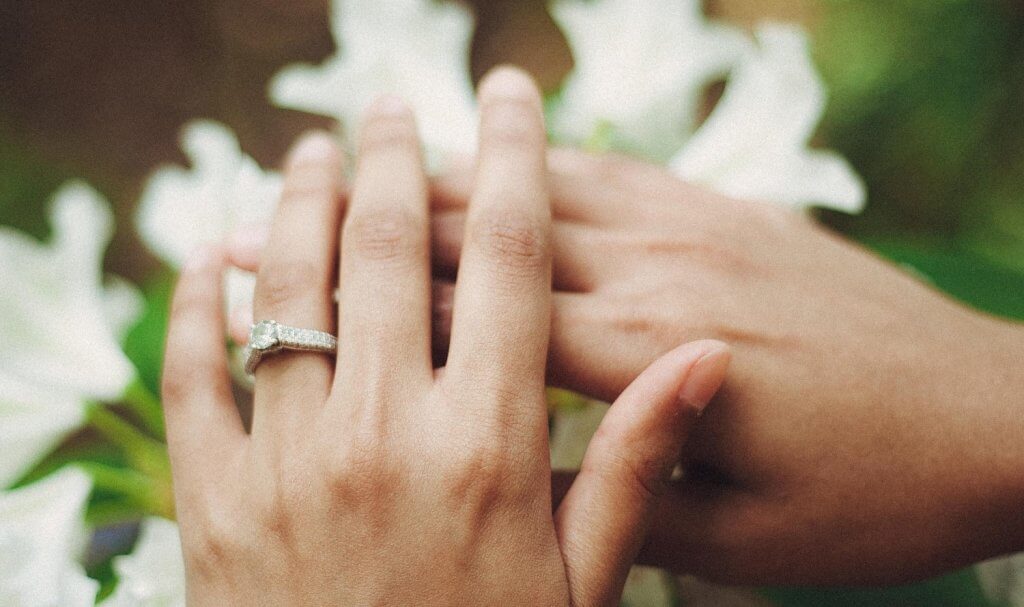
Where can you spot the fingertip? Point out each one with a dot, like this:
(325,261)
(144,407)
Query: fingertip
(508,82)
(706,374)
(313,146)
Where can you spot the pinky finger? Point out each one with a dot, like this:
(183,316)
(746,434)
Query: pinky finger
(604,517)
(198,405)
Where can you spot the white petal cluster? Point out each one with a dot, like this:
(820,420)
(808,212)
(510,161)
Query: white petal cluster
(754,143)
(417,49)
(222,191)
(182,209)
(61,328)
(153,575)
(1002,580)
(42,534)
(641,69)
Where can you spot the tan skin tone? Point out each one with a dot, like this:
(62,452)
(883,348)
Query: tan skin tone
(870,430)
(370,478)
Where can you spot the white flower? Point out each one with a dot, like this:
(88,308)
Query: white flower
(417,49)
(42,534)
(640,70)
(60,330)
(223,191)
(182,209)
(1003,580)
(754,144)
(153,575)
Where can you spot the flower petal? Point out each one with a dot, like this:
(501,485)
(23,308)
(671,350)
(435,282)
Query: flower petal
(1002,580)
(754,143)
(42,534)
(123,304)
(181,209)
(33,422)
(56,333)
(153,575)
(640,69)
(416,49)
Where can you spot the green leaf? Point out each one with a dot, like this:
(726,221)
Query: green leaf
(960,589)
(144,344)
(964,275)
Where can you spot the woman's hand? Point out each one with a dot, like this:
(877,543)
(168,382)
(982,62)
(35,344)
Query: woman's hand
(870,430)
(373,479)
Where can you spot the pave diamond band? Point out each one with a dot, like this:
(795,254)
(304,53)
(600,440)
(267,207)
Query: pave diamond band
(269,336)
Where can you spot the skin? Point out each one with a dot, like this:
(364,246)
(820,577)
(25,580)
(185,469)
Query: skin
(371,478)
(869,431)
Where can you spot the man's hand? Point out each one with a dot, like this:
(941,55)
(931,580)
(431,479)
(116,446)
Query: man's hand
(870,431)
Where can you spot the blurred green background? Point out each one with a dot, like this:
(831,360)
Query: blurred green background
(927,102)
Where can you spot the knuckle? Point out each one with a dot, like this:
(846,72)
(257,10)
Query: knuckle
(646,477)
(360,471)
(385,235)
(175,387)
(219,542)
(278,507)
(477,476)
(514,243)
(284,283)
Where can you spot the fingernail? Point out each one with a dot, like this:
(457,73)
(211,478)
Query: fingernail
(314,145)
(706,376)
(507,81)
(389,105)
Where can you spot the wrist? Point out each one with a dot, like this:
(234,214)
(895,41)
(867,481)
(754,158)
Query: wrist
(994,436)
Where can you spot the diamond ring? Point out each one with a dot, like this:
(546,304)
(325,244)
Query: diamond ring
(269,336)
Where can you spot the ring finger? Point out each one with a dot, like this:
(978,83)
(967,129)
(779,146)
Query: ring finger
(295,279)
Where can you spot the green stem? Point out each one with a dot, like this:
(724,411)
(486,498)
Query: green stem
(138,488)
(146,407)
(146,455)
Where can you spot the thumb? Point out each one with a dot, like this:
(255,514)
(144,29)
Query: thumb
(603,520)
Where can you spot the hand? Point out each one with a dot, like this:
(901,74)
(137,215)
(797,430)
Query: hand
(372,479)
(870,429)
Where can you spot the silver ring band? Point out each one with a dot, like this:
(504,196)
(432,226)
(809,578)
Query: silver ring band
(269,336)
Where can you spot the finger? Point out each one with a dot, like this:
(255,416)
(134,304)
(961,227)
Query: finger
(576,251)
(202,421)
(502,308)
(605,516)
(690,524)
(584,188)
(579,358)
(296,274)
(384,302)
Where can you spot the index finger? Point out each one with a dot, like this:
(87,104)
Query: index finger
(502,310)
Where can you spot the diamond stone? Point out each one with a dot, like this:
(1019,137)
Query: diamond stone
(263,335)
